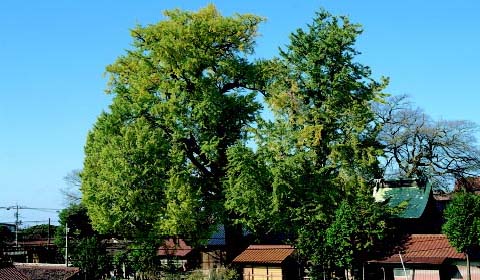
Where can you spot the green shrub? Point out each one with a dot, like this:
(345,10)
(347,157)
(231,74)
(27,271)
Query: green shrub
(215,274)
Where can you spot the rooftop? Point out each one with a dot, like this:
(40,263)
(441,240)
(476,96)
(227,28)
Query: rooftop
(46,271)
(175,248)
(11,273)
(267,254)
(414,194)
(424,249)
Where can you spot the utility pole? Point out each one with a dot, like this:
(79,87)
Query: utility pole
(66,244)
(48,232)
(16,226)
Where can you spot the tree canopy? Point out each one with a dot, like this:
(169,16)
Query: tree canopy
(42,231)
(320,146)
(86,248)
(173,155)
(462,224)
(416,145)
(361,231)
(182,96)
(71,192)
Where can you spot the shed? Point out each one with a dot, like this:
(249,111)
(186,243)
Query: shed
(272,262)
(425,257)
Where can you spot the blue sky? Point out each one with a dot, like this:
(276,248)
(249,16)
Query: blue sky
(53,55)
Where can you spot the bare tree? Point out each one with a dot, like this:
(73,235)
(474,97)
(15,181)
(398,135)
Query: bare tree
(415,145)
(72,192)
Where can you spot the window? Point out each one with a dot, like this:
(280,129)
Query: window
(400,273)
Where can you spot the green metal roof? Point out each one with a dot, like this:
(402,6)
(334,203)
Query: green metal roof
(408,192)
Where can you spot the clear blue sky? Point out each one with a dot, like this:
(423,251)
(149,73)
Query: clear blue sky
(53,55)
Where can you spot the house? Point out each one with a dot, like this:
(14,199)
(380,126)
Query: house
(423,252)
(214,254)
(272,262)
(423,257)
(208,257)
(32,251)
(176,255)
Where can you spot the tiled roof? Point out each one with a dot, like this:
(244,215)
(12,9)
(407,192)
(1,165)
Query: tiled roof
(218,237)
(11,273)
(176,248)
(425,249)
(47,271)
(268,254)
(471,184)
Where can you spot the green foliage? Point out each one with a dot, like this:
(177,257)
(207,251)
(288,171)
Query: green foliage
(90,255)
(216,274)
(171,157)
(247,188)
(42,231)
(321,147)
(79,225)
(326,98)
(155,163)
(85,247)
(462,222)
(142,258)
(359,232)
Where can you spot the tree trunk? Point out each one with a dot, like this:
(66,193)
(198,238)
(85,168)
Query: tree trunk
(234,241)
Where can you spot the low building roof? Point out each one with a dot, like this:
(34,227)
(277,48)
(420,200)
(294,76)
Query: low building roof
(470,184)
(174,248)
(424,249)
(41,271)
(409,191)
(265,254)
(11,273)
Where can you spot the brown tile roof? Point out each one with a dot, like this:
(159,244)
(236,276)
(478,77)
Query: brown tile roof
(471,184)
(11,273)
(174,248)
(425,249)
(268,254)
(47,271)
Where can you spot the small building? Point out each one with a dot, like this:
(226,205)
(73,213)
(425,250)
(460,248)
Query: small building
(268,262)
(424,257)
(176,255)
